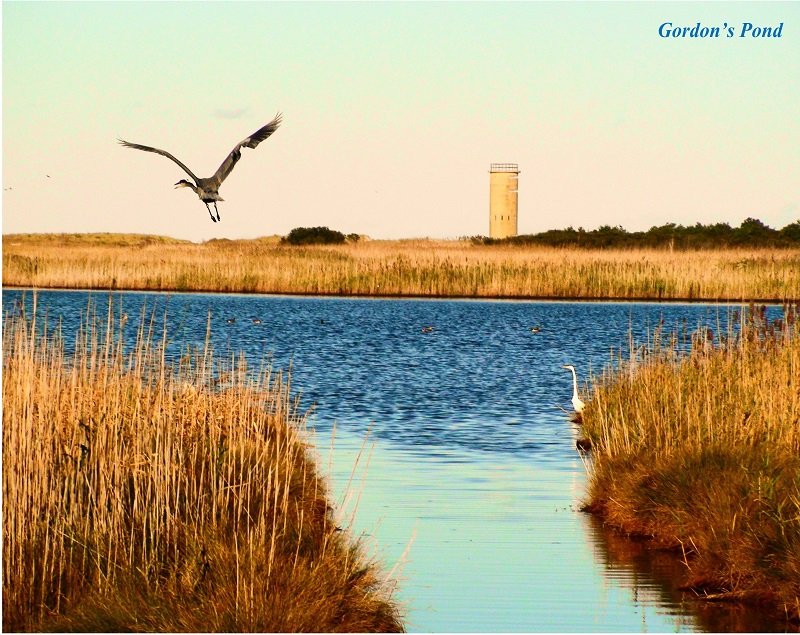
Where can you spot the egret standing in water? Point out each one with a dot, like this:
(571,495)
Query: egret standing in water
(577,402)
(207,189)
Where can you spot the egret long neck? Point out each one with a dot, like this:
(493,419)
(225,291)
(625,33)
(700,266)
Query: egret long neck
(574,383)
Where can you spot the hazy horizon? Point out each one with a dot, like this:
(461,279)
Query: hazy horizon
(392,113)
(361,236)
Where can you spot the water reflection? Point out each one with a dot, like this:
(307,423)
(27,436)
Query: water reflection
(653,577)
(498,544)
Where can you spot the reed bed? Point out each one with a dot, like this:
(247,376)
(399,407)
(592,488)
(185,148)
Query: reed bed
(142,493)
(426,268)
(701,452)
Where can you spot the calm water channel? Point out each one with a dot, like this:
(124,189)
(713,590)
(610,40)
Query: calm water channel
(469,480)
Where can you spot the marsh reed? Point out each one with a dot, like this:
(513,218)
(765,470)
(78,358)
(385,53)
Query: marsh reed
(150,494)
(701,452)
(428,268)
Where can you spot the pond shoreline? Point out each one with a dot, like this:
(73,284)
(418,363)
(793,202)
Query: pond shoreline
(401,296)
(717,610)
(703,587)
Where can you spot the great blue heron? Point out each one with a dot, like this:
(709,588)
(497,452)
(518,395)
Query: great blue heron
(577,402)
(208,189)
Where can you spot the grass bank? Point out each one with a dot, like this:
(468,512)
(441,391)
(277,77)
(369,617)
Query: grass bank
(143,494)
(702,454)
(424,268)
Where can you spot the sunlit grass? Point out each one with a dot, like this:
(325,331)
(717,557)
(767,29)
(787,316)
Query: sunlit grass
(702,453)
(145,495)
(407,268)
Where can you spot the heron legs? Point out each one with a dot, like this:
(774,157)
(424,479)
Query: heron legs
(216,210)
(209,212)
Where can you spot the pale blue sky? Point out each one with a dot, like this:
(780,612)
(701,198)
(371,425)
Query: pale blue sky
(393,113)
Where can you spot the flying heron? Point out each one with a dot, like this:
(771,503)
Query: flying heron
(208,189)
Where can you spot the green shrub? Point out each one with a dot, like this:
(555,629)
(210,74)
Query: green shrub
(314,236)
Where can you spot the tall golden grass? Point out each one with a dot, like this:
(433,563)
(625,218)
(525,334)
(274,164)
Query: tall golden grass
(404,268)
(702,453)
(147,495)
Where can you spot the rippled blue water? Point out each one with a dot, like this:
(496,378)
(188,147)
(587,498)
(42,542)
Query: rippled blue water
(480,380)
(473,456)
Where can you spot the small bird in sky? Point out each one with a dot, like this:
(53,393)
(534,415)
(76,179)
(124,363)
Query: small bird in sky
(207,189)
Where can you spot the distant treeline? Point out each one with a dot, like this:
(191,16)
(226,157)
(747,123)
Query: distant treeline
(751,233)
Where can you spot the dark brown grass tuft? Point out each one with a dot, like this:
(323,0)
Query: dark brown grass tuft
(702,454)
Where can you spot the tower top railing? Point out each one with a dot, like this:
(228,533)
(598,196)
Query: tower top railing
(503,167)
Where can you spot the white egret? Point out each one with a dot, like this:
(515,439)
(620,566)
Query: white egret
(577,402)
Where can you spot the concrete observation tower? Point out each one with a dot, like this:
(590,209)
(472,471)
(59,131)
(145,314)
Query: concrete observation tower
(503,187)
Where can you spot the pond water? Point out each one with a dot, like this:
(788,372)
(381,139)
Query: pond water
(466,475)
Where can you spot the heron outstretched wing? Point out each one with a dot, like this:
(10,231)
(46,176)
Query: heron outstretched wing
(164,153)
(251,142)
